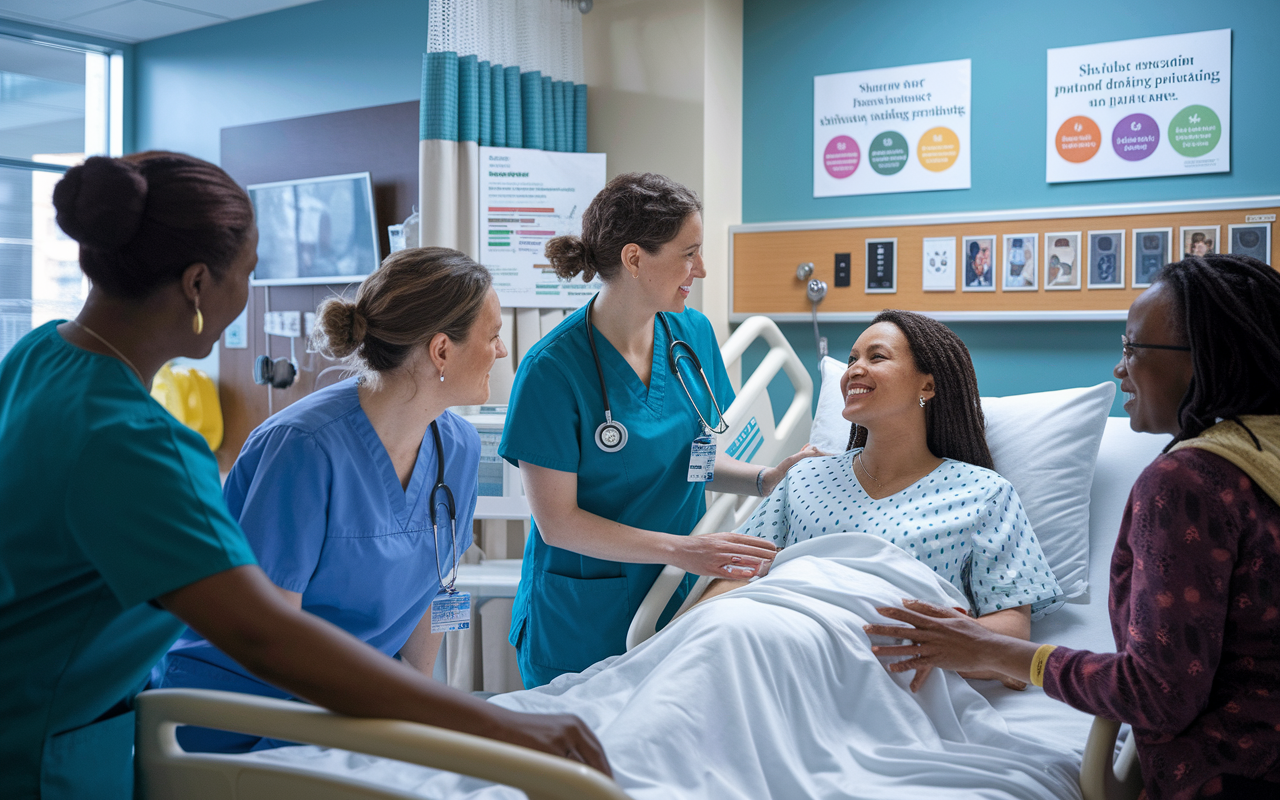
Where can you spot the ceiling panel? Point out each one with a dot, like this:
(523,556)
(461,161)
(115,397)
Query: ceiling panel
(141,20)
(136,20)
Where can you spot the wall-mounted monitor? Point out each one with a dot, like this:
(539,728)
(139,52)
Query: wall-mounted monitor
(316,230)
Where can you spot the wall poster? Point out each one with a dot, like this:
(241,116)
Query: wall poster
(897,129)
(528,197)
(1139,108)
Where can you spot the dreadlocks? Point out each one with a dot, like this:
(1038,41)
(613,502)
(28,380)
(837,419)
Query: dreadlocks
(1229,307)
(954,425)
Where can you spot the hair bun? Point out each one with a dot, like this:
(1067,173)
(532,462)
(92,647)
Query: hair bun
(100,203)
(340,328)
(568,256)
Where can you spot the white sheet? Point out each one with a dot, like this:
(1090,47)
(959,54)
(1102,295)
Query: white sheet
(771,691)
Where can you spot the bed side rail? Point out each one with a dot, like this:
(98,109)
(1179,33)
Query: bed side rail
(1103,774)
(167,771)
(752,437)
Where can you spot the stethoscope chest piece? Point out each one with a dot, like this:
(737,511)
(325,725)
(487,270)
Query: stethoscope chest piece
(611,436)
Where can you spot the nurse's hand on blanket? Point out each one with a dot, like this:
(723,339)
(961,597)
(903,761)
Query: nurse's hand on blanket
(241,612)
(993,646)
(727,554)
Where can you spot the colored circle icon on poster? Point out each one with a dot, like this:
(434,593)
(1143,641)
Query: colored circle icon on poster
(842,157)
(938,149)
(1135,137)
(888,153)
(1195,131)
(1078,139)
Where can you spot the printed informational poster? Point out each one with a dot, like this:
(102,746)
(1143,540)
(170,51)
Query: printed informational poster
(1140,108)
(898,129)
(527,198)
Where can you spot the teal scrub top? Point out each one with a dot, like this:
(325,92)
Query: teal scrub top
(572,610)
(108,502)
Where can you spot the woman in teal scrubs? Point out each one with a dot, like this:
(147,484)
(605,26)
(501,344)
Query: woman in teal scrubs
(614,497)
(115,533)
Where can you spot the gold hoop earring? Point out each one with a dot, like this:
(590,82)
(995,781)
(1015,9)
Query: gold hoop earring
(197,323)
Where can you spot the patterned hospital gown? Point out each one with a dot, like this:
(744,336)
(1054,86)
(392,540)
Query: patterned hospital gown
(965,522)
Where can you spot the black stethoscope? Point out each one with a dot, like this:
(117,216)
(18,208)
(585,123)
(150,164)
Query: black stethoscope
(611,435)
(453,513)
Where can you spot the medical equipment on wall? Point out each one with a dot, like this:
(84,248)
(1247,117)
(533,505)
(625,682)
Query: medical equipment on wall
(611,435)
(279,372)
(815,290)
(192,398)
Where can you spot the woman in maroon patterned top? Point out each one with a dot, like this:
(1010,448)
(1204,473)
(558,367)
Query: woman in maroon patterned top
(1195,577)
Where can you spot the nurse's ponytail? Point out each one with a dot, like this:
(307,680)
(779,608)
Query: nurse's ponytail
(414,295)
(645,209)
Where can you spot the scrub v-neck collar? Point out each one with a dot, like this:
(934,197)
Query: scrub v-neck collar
(612,360)
(403,501)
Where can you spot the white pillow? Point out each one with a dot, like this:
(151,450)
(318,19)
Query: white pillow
(1045,444)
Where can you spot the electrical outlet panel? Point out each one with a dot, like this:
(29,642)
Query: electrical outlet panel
(283,323)
(844,269)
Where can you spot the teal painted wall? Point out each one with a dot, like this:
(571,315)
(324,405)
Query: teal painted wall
(787,42)
(329,56)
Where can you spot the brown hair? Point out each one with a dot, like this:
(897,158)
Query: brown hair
(141,220)
(414,295)
(954,424)
(636,208)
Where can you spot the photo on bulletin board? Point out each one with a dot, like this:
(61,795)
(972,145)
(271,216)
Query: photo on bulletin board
(1062,260)
(979,263)
(1150,254)
(1199,240)
(939,268)
(1250,240)
(1019,271)
(882,266)
(1106,259)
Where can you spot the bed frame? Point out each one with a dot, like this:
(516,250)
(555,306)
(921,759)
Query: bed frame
(166,772)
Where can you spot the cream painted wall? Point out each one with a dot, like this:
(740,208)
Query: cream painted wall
(664,82)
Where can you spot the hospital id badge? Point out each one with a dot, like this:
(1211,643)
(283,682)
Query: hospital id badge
(451,612)
(702,459)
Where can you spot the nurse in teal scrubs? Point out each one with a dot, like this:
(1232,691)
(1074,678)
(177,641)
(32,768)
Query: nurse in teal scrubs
(615,496)
(114,530)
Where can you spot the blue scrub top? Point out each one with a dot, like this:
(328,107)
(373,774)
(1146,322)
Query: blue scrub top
(572,610)
(108,502)
(320,502)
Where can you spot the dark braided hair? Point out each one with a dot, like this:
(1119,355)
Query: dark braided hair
(954,424)
(1229,309)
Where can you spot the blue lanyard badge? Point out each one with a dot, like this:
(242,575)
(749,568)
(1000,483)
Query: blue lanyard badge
(702,458)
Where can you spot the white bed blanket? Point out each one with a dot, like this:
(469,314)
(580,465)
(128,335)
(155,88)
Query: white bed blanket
(771,691)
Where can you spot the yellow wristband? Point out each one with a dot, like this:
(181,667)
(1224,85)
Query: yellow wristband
(1039,662)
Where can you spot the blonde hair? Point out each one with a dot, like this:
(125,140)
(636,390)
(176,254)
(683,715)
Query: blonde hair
(414,295)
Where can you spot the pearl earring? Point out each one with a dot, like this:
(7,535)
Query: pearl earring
(442,376)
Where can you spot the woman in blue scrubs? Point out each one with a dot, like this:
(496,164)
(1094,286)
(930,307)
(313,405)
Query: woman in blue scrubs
(614,495)
(334,493)
(115,533)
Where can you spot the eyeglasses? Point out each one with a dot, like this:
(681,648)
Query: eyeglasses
(1127,347)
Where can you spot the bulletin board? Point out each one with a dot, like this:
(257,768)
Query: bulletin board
(764,258)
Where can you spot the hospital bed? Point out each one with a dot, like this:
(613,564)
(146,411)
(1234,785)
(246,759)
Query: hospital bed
(166,771)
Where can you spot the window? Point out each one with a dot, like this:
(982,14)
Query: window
(57,104)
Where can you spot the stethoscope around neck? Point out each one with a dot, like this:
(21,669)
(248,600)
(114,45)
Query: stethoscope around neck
(453,513)
(611,435)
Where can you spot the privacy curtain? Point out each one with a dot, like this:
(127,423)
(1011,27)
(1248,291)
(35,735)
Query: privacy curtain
(497,73)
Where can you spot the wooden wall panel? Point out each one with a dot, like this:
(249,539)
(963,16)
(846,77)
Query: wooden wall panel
(383,141)
(764,265)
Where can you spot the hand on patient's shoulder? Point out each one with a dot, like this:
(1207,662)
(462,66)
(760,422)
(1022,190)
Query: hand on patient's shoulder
(774,475)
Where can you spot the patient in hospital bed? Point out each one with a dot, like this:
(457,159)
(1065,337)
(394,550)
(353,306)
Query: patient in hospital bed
(772,690)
